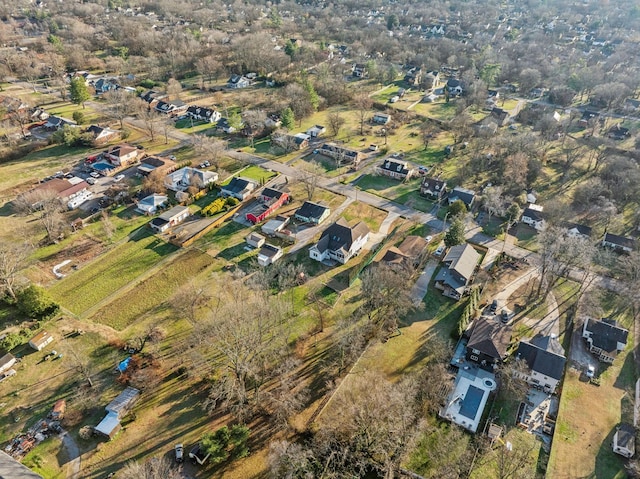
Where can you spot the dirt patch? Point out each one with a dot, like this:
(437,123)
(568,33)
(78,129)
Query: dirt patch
(80,252)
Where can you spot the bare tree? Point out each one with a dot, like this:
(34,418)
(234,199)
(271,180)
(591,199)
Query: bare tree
(363,104)
(119,104)
(154,182)
(493,201)
(209,148)
(309,175)
(149,117)
(14,258)
(189,301)
(174,89)
(47,207)
(154,468)
(335,121)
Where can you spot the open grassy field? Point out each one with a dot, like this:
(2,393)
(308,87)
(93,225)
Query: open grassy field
(357,211)
(108,273)
(589,413)
(253,172)
(145,298)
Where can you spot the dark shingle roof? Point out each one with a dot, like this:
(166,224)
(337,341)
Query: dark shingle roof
(236,185)
(535,215)
(311,210)
(619,240)
(395,166)
(272,193)
(606,334)
(462,194)
(626,437)
(490,338)
(541,360)
(582,229)
(341,236)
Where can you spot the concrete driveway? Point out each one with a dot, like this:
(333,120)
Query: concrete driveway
(421,286)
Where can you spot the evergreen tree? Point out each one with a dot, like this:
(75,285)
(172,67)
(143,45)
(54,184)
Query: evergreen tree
(79,91)
(455,235)
(288,118)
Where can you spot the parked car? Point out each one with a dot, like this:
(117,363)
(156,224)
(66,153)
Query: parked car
(440,250)
(504,316)
(91,181)
(118,178)
(94,174)
(494,306)
(179,453)
(591,371)
(429,238)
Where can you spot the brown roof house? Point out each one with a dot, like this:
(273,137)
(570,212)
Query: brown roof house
(605,338)
(461,262)
(73,191)
(409,254)
(41,340)
(121,155)
(340,242)
(488,343)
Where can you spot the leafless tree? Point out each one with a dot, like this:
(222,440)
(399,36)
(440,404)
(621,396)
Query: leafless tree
(154,468)
(190,300)
(493,201)
(363,103)
(47,207)
(309,175)
(119,104)
(149,117)
(154,183)
(335,121)
(209,67)
(14,257)
(174,89)
(107,225)
(209,148)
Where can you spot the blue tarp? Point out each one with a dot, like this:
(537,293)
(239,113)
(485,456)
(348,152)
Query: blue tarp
(122,367)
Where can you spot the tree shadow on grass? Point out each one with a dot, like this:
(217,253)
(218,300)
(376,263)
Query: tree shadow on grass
(7,209)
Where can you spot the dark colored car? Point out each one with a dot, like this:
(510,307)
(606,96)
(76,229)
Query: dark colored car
(494,306)
(504,316)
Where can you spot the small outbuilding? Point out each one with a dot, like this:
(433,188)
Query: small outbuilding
(624,440)
(255,240)
(6,361)
(116,410)
(41,340)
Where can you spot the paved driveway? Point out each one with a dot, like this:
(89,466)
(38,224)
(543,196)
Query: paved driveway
(421,286)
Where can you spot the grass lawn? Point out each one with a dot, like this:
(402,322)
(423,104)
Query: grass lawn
(255,173)
(402,192)
(110,272)
(150,295)
(357,211)
(48,459)
(521,442)
(582,442)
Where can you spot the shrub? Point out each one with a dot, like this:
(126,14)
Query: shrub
(214,207)
(35,302)
(231,201)
(78,117)
(147,83)
(11,341)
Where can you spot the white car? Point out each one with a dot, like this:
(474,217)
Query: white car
(118,178)
(440,250)
(91,181)
(94,174)
(429,238)
(591,371)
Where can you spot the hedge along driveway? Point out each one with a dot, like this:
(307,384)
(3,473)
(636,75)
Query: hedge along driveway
(110,272)
(151,293)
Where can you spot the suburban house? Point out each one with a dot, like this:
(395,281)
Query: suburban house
(269,254)
(461,262)
(238,81)
(587,117)
(169,218)
(618,132)
(579,231)
(618,243)
(201,113)
(488,343)
(6,361)
(153,96)
(532,216)
(102,135)
(340,242)
(56,122)
(152,163)
(413,77)
(173,107)
(454,87)
(240,188)
(545,360)
(41,340)
(121,155)
(182,179)
(359,70)
(433,188)
(431,80)
(12,469)
(312,213)
(605,338)
(149,205)
(255,240)
(72,191)
(299,141)
(381,118)
(624,440)
(272,199)
(116,410)
(276,225)
(316,130)
(397,169)
(409,254)
(341,155)
(462,194)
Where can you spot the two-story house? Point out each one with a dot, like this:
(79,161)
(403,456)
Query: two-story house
(488,343)
(433,188)
(121,155)
(544,361)
(397,169)
(340,242)
(605,338)
(343,156)
(460,262)
(534,217)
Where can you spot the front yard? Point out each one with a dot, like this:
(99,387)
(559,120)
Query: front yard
(406,193)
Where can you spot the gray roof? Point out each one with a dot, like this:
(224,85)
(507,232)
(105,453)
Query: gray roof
(311,210)
(541,360)
(581,229)
(462,194)
(535,215)
(395,166)
(123,401)
(606,334)
(237,185)
(463,259)
(626,437)
(175,211)
(12,469)
(619,240)
(269,250)
(341,236)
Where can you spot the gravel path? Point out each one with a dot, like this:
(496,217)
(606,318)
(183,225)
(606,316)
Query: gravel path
(73,466)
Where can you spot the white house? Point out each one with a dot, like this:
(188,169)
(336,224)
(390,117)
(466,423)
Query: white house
(255,240)
(619,243)
(340,242)
(149,205)
(624,440)
(169,218)
(316,130)
(183,178)
(545,360)
(41,340)
(532,216)
(269,254)
(381,118)
(605,338)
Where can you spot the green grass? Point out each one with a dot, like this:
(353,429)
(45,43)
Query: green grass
(254,173)
(110,272)
(47,459)
(406,193)
(150,294)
